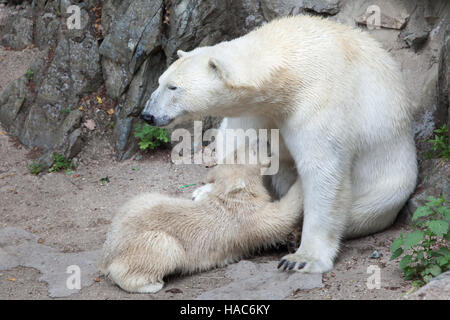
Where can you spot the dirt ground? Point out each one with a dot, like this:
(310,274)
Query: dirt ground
(70,213)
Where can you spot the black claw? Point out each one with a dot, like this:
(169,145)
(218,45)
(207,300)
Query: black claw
(286,264)
(281,263)
(301,265)
(292,265)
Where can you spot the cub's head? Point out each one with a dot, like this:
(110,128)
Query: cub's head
(233,179)
(197,84)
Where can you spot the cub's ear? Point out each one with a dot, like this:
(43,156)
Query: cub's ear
(181,53)
(211,176)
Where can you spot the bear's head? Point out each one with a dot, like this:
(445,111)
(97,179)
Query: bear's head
(200,83)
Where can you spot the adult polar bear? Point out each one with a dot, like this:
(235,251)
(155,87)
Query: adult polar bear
(339,101)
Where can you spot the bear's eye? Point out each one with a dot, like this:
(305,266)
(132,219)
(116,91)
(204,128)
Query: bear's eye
(173,88)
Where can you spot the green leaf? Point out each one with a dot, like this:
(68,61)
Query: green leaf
(396,244)
(445,212)
(441,261)
(434,270)
(447,236)
(438,227)
(420,255)
(397,253)
(406,260)
(417,283)
(422,212)
(409,273)
(412,239)
(434,202)
(443,252)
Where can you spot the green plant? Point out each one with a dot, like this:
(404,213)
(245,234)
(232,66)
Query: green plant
(440,146)
(29,74)
(35,168)
(104,181)
(425,250)
(151,137)
(61,163)
(66,110)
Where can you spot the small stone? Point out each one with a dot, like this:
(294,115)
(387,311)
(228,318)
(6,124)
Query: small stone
(375,255)
(416,40)
(386,21)
(330,7)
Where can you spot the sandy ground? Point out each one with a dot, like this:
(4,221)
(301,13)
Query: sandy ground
(64,216)
(71,213)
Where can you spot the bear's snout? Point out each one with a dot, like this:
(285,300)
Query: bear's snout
(156,121)
(148,118)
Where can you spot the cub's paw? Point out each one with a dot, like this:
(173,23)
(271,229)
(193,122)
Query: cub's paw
(302,263)
(151,288)
(202,192)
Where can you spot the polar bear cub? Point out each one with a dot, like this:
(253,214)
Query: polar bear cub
(154,235)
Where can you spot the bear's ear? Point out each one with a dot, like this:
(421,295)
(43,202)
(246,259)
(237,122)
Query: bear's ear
(221,70)
(181,53)
(235,75)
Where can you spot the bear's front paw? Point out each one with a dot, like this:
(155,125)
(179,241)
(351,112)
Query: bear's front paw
(301,263)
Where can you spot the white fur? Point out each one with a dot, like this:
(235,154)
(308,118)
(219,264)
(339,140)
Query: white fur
(154,235)
(339,101)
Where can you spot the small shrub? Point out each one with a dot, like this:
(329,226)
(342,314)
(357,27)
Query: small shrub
(151,137)
(35,168)
(61,163)
(29,74)
(440,146)
(425,250)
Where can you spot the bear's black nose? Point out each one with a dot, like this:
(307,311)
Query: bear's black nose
(148,118)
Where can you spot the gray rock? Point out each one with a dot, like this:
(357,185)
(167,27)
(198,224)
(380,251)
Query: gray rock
(16,2)
(38,109)
(428,116)
(133,37)
(141,39)
(418,29)
(437,289)
(112,10)
(12,100)
(67,140)
(17,30)
(276,8)
(434,180)
(443,82)
(48,27)
(329,7)
(21,248)
(386,21)
(416,40)
(130,105)
(252,281)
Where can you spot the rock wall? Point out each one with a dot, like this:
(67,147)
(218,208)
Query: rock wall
(123,46)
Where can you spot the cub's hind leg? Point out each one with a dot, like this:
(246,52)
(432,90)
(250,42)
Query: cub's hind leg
(143,260)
